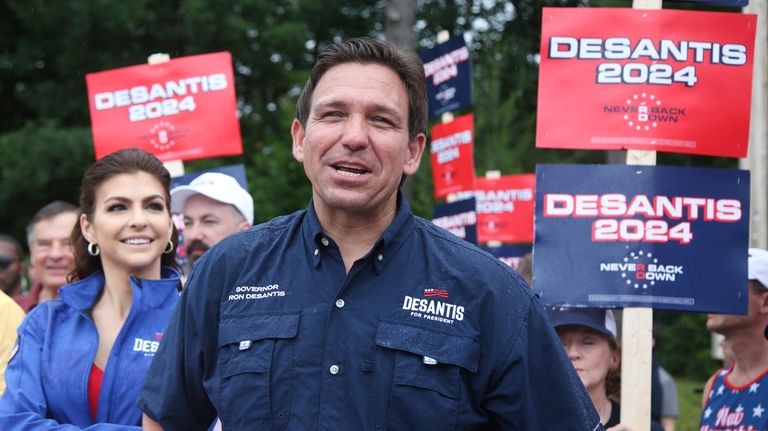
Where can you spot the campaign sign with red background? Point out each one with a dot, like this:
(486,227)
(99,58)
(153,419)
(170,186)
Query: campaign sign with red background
(650,236)
(505,208)
(666,80)
(460,218)
(452,156)
(181,109)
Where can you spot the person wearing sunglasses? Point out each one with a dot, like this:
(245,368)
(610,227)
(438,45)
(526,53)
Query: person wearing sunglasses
(11,266)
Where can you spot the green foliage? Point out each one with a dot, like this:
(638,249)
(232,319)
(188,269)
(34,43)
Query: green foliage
(684,332)
(41,162)
(689,392)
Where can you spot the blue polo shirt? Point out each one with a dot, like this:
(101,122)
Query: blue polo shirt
(425,332)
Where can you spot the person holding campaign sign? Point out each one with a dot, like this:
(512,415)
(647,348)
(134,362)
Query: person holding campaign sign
(354,314)
(80,359)
(589,338)
(736,397)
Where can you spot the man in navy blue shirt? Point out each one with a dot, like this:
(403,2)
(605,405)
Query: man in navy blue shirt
(354,314)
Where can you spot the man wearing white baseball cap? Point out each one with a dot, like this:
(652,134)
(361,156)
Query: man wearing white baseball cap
(738,396)
(214,206)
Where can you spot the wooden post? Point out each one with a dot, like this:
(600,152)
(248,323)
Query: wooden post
(174,167)
(637,325)
(757,158)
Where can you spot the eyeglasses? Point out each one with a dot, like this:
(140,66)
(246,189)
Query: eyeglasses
(6,261)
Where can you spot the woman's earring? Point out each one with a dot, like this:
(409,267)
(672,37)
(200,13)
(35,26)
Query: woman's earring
(93,249)
(169,247)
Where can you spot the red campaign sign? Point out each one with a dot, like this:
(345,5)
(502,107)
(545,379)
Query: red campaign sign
(665,80)
(505,208)
(451,156)
(181,109)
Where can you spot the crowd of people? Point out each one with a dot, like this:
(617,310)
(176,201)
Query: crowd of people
(349,314)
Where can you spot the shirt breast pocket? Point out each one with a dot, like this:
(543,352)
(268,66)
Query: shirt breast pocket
(428,387)
(255,367)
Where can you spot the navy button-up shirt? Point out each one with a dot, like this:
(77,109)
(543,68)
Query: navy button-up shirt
(425,332)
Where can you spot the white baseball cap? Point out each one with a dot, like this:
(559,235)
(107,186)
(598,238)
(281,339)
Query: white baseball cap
(217,186)
(757,266)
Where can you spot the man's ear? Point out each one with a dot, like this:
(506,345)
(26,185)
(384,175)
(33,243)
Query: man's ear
(415,150)
(298,134)
(763,304)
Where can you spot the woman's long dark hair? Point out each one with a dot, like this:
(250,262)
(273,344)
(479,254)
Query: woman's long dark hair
(127,161)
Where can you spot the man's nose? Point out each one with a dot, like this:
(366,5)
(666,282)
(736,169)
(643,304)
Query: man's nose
(356,133)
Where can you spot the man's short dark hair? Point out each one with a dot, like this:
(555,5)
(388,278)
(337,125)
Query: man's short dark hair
(48,212)
(405,63)
(14,243)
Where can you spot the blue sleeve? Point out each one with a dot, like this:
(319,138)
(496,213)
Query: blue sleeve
(173,393)
(23,405)
(538,388)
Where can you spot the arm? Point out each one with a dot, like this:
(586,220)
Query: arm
(173,394)
(147,424)
(670,409)
(538,388)
(668,423)
(707,390)
(11,316)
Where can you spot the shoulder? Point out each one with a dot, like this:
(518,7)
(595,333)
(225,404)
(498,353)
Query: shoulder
(665,378)
(475,264)
(259,235)
(38,321)
(9,310)
(708,386)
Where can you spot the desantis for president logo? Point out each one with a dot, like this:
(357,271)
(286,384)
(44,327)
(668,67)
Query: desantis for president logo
(643,270)
(432,307)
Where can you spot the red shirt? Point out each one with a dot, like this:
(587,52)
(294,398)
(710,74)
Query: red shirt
(94,388)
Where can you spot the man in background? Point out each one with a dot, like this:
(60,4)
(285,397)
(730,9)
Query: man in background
(11,266)
(214,206)
(737,397)
(50,252)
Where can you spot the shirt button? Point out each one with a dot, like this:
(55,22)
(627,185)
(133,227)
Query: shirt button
(324,240)
(334,369)
(339,303)
(380,257)
(316,252)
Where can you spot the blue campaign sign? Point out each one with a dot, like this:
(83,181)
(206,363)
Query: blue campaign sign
(642,236)
(447,67)
(460,218)
(236,171)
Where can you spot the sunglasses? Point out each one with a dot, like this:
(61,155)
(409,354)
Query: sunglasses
(6,261)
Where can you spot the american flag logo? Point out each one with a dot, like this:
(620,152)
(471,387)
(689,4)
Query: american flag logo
(440,293)
(158,336)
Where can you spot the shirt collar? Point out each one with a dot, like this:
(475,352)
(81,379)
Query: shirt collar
(82,294)
(384,248)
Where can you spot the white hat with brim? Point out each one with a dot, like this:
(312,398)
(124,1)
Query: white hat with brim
(217,186)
